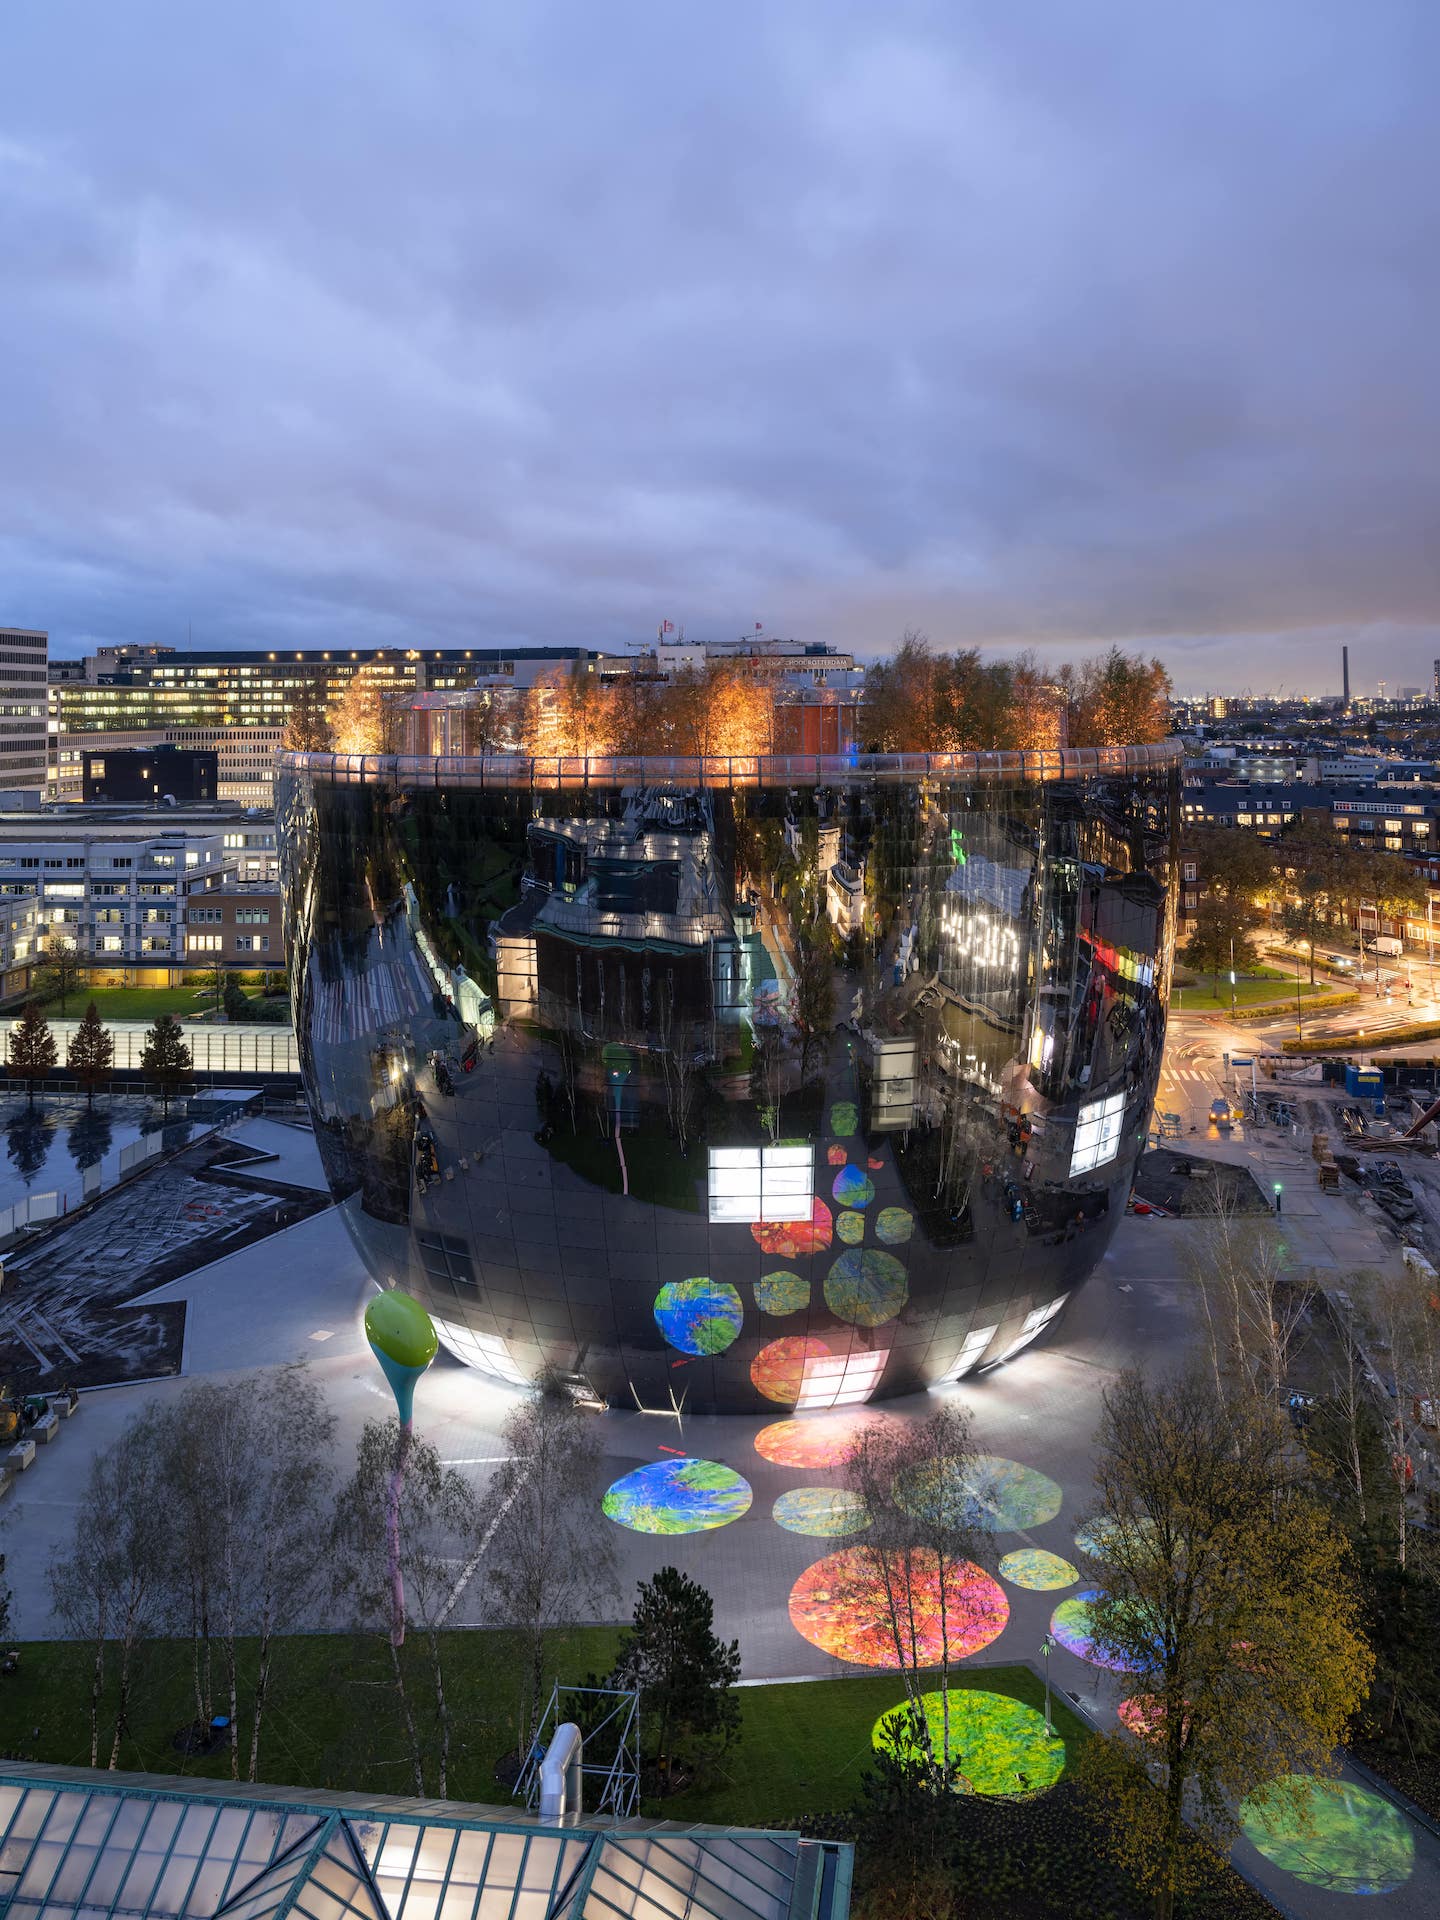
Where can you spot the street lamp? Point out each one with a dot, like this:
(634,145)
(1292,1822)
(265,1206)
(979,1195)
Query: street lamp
(1277,1196)
(1045,1645)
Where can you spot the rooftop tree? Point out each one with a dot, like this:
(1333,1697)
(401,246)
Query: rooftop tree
(166,1057)
(33,1052)
(91,1052)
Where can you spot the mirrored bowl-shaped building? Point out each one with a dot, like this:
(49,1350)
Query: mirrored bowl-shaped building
(737,1085)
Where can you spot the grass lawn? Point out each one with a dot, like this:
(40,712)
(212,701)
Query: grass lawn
(803,1748)
(148,1003)
(331,1721)
(1250,990)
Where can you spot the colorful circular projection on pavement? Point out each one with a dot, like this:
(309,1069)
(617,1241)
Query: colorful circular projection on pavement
(699,1316)
(853,1188)
(678,1496)
(998,1495)
(894,1226)
(1096,1539)
(837,1156)
(997,1745)
(866,1287)
(778,1370)
(1340,1836)
(840,1606)
(790,1238)
(850,1227)
(826,1512)
(1071,1625)
(815,1439)
(781,1292)
(1039,1571)
(844,1118)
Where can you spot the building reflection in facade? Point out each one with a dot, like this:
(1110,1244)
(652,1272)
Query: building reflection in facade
(732,1086)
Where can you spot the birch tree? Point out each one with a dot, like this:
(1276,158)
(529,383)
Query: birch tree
(550,1559)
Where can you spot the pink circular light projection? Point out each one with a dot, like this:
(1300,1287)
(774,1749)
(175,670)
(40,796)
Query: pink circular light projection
(815,1439)
(778,1370)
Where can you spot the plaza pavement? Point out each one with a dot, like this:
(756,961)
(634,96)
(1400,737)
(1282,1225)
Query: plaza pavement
(302,1293)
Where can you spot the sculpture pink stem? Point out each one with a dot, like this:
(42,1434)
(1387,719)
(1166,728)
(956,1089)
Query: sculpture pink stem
(392,1535)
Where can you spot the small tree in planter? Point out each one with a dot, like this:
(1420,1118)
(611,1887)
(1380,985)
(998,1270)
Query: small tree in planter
(91,1053)
(166,1058)
(32,1047)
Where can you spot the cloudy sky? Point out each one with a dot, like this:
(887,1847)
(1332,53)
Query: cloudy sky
(449,322)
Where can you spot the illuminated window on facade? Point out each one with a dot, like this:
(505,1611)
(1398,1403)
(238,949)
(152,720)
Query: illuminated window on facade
(975,1345)
(749,1184)
(841,1380)
(1033,1326)
(1097,1133)
(486,1351)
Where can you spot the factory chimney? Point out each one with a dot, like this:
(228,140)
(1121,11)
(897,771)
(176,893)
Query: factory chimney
(1345,678)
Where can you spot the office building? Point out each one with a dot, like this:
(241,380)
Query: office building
(590,1082)
(120,885)
(150,776)
(23,681)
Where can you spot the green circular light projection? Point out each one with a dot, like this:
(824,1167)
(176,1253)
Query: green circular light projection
(997,1745)
(850,1228)
(699,1316)
(1339,1836)
(825,1512)
(401,1329)
(844,1118)
(994,1494)
(866,1287)
(1037,1570)
(894,1226)
(782,1292)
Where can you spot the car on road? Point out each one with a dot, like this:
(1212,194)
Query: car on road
(1220,1113)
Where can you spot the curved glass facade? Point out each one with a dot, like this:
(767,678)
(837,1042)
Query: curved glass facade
(732,1085)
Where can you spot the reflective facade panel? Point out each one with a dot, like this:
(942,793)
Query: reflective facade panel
(736,1085)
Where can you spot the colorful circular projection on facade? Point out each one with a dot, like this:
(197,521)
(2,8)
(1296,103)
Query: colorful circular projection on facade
(873,1164)
(1037,1570)
(997,1495)
(866,1287)
(826,1512)
(853,1187)
(1071,1625)
(894,1226)
(840,1606)
(815,1439)
(997,1745)
(782,1292)
(699,1316)
(844,1118)
(837,1156)
(850,1227)
(778,1370)
(678,1496)
(790,1238)
(1339,1836)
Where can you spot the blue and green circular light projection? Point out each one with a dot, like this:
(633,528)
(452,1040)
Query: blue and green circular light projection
(699,1316)
(853,1187)
(678,1496)
(782,1292)
(1332,1834)
(988,1492)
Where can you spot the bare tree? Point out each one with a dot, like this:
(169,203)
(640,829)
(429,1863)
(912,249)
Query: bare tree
(550,1559)
(925,1491)
(1255,1304)
(247,1469)
(109,1588)
(439,1528)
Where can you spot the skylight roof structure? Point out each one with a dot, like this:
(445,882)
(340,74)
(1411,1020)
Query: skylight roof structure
(77,1845)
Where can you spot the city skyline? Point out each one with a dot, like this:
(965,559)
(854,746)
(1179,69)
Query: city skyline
(542,330)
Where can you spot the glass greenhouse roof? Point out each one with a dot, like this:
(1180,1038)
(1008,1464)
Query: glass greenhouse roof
(77,1845)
